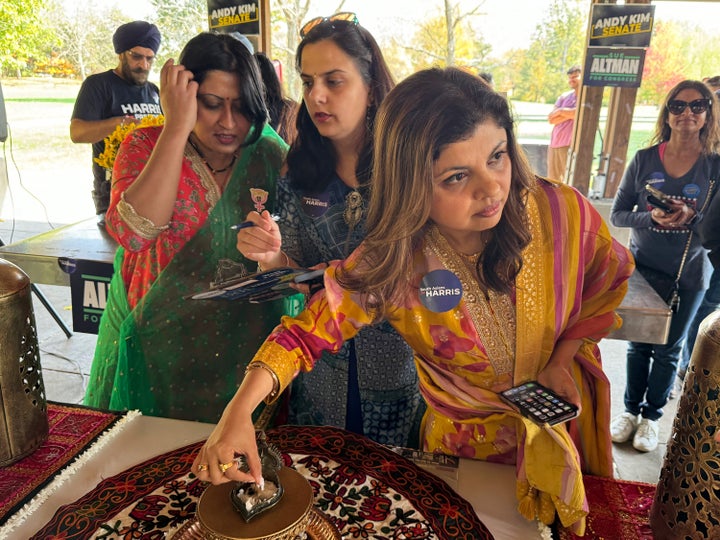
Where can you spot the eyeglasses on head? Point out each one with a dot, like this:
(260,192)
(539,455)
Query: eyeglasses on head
(341,17)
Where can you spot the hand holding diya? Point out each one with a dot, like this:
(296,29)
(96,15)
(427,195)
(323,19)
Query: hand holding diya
(280,509)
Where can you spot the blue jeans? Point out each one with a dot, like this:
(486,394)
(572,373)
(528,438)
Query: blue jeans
(710,303)
(651,368)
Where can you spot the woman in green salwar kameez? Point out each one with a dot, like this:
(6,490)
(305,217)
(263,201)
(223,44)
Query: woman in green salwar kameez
(176,191)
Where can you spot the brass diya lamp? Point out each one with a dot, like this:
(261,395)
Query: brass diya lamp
(282,509)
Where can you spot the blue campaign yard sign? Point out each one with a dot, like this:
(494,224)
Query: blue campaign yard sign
(89,283)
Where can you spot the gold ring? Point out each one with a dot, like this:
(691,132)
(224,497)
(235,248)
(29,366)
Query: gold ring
(225,466)
(202,467)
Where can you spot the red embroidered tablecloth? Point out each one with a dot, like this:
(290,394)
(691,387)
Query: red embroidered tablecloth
(72,430)
(366,490)
(619,510)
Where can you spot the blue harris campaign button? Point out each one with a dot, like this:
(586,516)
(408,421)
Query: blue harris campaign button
(67,265)
(440,291)
(692,191)
(317,205)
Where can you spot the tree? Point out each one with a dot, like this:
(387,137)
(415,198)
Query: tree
(677,51)
(664,64)
(505,69)
(84,35)
(558,43)
(448,39)
(23,32)
(287,18)
(178,21)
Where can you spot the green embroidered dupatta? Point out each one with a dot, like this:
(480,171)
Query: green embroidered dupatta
(181,358)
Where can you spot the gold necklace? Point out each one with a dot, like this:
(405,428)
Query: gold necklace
(492,313)
(472,258)
(205,161)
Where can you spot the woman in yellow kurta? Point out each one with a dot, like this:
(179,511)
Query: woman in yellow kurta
(493,276)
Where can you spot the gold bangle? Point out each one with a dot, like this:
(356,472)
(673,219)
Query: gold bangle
(287,262)
(257,364)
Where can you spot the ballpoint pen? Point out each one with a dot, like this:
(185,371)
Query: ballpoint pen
(243,225)
(246,224)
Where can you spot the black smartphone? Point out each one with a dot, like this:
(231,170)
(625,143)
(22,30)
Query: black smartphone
(658,199)
(539,403)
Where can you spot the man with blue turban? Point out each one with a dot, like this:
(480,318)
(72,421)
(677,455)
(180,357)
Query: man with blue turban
(116,97)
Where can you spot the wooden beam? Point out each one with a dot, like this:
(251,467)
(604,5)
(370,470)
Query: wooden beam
(617,137)
(265,28)
(617,132)
(587,119)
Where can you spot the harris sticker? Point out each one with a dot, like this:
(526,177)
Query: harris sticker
(440,291)
(691,191)
(315,206)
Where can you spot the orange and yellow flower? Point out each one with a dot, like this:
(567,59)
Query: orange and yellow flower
(112,141)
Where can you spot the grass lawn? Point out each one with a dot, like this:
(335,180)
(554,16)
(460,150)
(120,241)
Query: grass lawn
(50,179)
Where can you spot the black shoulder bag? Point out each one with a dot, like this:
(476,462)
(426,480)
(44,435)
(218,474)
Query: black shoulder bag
(664,284)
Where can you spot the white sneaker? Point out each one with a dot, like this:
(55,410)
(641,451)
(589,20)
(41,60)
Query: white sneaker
(646,436)
(622,427)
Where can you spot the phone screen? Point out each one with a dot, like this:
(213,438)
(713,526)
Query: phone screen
(539,403)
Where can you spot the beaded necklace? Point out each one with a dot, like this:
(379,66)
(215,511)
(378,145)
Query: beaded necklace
(205,161)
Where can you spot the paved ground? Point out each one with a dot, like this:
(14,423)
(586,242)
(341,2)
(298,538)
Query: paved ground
(66,366)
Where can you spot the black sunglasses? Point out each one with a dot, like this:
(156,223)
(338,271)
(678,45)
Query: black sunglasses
(344,16)
(697,106)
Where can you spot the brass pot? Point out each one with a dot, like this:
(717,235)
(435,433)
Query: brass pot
(687,502)
(293,517)
(23,408)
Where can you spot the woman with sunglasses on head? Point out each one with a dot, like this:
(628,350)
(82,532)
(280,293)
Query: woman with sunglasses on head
(370,385)
(682,163)
(176,192)
(494,276)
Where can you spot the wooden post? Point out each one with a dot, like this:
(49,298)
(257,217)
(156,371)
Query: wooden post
(265,44)
(617,137)
(617,131)
(587,119)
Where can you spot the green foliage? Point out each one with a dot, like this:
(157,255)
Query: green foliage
(43,37)
(440,41)
(663,66)
(178,21)
(24,30)
(287,17)
(84,33)
(558,43)
(677,51)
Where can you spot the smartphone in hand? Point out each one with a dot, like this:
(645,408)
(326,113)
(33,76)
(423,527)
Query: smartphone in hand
(539,403)
(658,199)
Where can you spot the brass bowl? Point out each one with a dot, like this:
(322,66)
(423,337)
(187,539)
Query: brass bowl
(292,516)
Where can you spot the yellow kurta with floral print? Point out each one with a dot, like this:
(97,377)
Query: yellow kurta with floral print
(573,277)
